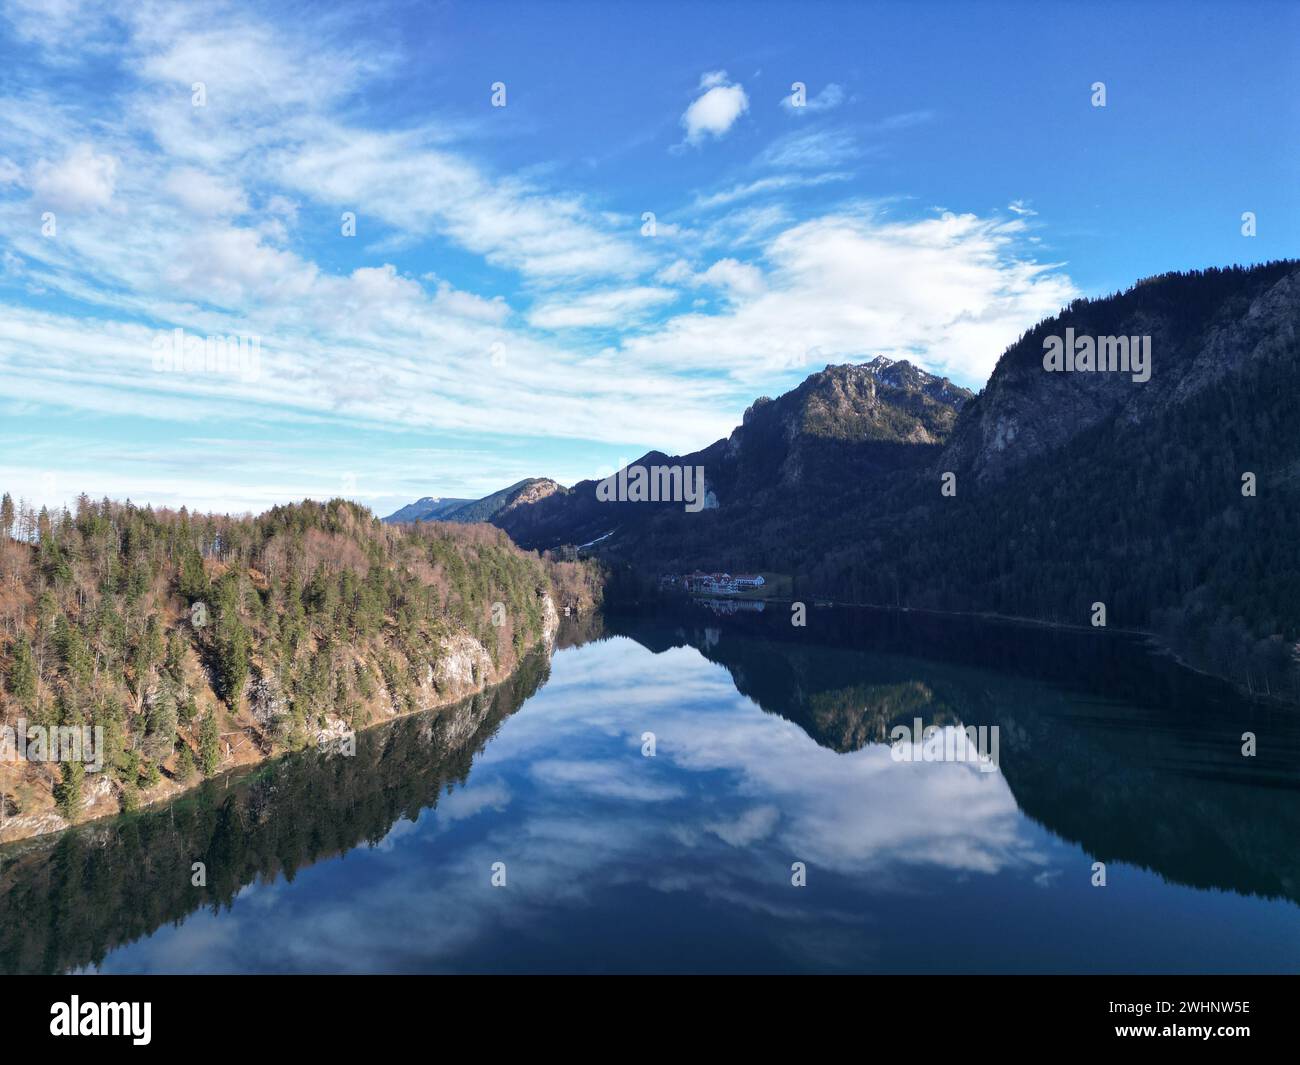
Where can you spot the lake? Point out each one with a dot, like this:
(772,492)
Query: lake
(646,799)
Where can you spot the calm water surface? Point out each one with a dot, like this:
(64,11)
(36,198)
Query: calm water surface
(771,749)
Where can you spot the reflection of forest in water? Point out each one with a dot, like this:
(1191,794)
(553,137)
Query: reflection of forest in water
(65,902)
(1123,752)
(1127,755)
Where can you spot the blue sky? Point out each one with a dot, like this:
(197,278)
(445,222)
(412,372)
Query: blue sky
(502,310)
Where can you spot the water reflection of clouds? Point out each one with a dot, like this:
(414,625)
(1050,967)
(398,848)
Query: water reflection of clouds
(603,779)
(853,812)
(749,827)
(565,798)
(469,801)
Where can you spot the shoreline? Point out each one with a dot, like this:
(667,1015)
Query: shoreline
(1157,643)
(48,823)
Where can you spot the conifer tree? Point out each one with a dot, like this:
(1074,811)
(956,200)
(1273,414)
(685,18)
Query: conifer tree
(210,744)
(184,764)
(22,673)
(68,790)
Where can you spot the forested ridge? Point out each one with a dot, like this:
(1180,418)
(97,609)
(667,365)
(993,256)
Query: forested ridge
(201,641)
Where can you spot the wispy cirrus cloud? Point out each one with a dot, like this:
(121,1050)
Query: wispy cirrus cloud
(763,186)
(613,307)
(813,149)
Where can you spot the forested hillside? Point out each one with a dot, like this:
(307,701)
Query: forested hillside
(198,642)
(1081,488)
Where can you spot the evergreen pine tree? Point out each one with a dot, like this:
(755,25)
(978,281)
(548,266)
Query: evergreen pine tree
(210,744)
(22,672)
(68,791)
(184,764)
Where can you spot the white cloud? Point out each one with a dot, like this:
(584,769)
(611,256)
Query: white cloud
(748,828)
(202,194)
(251,70)
(714,112)
(282,206)
(272,109)
(614,307)
(467,305)
(464,803)
(675,273)
(82,179)
(948,293)
(609,780)
(65,29)
(419,189)
(230,267)
(735,278)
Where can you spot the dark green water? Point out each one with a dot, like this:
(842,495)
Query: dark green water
(771,749)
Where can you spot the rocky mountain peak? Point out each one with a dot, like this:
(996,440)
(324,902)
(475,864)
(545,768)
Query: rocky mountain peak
(882,400)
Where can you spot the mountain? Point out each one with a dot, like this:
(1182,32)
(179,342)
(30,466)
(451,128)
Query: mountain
(877,419)
(1170,497)
(468,511)
(838,439)
(493,507)
(430,508)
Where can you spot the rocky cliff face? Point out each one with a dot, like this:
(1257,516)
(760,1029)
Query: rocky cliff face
(534,490)
(837,426)
(550,621)
(462,666)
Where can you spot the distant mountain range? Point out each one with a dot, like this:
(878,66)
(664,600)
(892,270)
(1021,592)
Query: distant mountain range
(1171,500)
(430,508)
(487,509)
